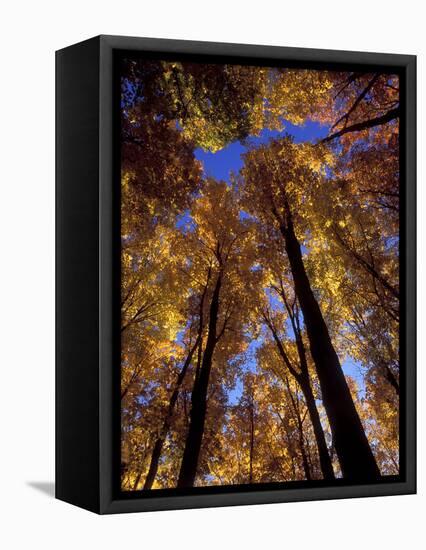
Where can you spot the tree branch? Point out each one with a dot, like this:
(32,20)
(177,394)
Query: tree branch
(371,123)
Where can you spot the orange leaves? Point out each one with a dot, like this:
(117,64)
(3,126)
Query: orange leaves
(182,231)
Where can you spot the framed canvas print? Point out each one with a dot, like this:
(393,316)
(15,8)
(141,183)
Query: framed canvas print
(235,274)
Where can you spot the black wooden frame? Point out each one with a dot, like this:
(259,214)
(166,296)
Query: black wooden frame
(87,241)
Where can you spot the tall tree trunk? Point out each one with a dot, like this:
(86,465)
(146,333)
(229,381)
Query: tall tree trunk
(303,380)
(305,384)
(137,480)
(304,456)
(299,423)
(305,461)
(390,377)
(352,447)
(194,438)
(158,446)
(251,442)
(324,456)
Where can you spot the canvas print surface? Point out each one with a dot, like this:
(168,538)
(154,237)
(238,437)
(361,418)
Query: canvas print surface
(259,275)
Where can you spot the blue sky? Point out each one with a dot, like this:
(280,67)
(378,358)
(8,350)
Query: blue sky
(220,165)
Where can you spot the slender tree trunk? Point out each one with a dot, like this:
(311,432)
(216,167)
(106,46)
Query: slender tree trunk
(251,443)
(352,447)
(158,446)
(201,327)
(194,438)
(390,377)
(304,458)
(289,446)
(303,380)
(324,456)
(305,384)
(305,461)
(299,423)
(137,480)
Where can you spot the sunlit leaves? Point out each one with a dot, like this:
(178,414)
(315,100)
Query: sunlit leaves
(182,230)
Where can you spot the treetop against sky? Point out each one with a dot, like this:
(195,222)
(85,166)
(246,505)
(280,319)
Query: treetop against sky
(260,231)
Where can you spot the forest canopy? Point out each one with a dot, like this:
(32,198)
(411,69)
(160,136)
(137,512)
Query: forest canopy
(259,274)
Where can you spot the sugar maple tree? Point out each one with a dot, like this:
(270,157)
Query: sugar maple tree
(243,301)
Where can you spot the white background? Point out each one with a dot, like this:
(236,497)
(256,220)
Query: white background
(30,32)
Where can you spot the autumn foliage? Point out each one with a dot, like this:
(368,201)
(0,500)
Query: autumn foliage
(245,302)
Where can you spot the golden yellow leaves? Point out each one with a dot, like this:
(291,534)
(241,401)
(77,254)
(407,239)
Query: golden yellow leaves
(296,95)
(181,234)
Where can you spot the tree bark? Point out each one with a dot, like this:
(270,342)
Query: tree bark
(355,456)
(194,438)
